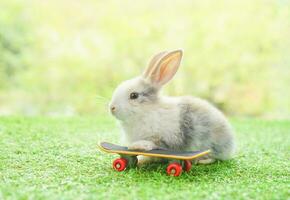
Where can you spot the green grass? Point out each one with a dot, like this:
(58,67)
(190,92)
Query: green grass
(57,158)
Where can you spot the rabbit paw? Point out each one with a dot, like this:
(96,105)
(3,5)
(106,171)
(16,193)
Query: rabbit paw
(206,161)
(142,145)
(144,160)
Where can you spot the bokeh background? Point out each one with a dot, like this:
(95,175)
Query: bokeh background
(63,57)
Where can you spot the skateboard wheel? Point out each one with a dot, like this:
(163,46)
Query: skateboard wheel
(120,164)
(174,169)
(187,165)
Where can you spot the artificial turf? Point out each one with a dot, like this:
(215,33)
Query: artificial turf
(57,158)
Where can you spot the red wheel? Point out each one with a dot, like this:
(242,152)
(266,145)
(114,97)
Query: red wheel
(174,169)
(187,165)
(120,164)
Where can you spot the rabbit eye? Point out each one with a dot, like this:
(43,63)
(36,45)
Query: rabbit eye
(134,95)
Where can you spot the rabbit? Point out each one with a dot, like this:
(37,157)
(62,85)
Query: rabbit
(152,121)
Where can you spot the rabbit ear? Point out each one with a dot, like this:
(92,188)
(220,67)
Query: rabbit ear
(165,68)
(153,63)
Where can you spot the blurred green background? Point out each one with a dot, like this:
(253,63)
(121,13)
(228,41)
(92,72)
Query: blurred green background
(62,57)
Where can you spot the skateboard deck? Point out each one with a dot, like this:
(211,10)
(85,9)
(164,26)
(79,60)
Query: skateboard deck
(160,153)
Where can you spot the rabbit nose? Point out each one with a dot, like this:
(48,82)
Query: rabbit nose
(113,108)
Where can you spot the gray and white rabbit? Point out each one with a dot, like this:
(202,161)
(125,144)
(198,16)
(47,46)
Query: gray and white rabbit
(152,121)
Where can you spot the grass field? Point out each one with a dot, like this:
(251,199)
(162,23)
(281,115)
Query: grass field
(57,158)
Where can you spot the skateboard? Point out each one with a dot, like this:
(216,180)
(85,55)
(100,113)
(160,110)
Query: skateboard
(178,161)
